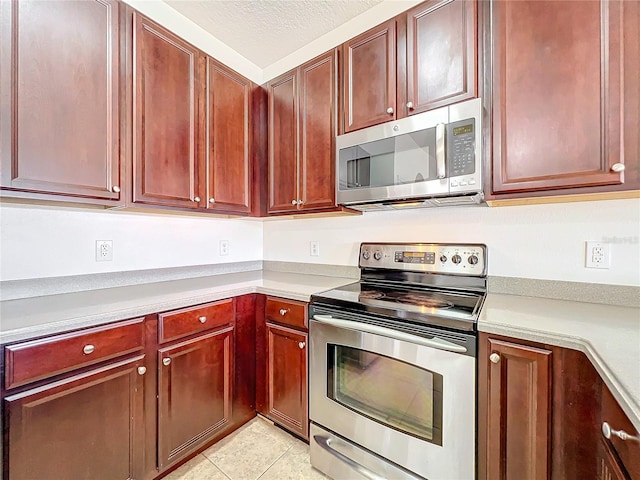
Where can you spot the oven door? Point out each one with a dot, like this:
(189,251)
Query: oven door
(406,402)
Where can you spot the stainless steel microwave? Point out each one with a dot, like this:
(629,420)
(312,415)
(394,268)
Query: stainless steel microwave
(429,159)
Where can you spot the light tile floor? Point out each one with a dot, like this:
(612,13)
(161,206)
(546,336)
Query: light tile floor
(257,450)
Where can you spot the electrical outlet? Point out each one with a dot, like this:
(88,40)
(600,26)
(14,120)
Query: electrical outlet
(104,250)
(598,255)
(224,247)
(314,249)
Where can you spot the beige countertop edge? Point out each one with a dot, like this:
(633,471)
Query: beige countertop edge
(627,402)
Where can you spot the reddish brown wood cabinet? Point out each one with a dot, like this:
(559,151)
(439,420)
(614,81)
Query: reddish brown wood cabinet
(518,401)
(61,120)
(229,169)
(168,118)
(302,129)
(369,77)
(195,389)
(423,59)
(561,78)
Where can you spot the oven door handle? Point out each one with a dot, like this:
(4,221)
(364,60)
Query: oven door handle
(434,342)
(325,444)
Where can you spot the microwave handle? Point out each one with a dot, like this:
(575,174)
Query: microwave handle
(440,154)
(434,342)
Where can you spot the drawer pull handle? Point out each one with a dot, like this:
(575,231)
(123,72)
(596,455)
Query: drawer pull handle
(202,319)
(609,432)
(142,370)
(88,349)
(301,345)
(283,311)
(494,357)
(166,361)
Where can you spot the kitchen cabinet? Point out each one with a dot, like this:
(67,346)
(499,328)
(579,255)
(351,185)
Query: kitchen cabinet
(168,119)
(558,125)
(229,168)
(423,59)
(282,339)
(302,129)
(195,378)
(61,117)
(96,408)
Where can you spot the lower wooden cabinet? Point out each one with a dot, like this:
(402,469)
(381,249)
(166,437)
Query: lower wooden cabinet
(194,393)
(287,378)
(86,426)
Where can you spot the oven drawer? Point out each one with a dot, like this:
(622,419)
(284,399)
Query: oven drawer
(286,312)
(187,321)
(38,359)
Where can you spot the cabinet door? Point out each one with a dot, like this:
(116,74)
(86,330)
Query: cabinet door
(369,78)
(167,117)
(441,54)
(609,465)
(287,378)
(60,97)
(283,143)
(558,104)
(228,140)
(194,393)
(87,426)
(515,396)
(318,132)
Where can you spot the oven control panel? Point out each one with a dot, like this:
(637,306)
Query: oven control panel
(459,259)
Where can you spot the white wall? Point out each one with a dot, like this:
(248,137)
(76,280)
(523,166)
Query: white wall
(39,241)
(536,241)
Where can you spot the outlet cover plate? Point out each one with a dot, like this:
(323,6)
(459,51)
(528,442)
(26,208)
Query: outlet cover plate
(598,255)
(224,247)
(104,250)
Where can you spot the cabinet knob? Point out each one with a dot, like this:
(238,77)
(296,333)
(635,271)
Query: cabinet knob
(212,200)
(301,345)
(88,349)
(618,167)
(283,311)
(166,361)
(115,189)
(609,432)
(300,202)
(142,370)
(494,357)
(202,319)
(390,110)
(294,202)
(196,199)
(410,105)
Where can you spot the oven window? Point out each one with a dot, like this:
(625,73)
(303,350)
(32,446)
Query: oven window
(394,393)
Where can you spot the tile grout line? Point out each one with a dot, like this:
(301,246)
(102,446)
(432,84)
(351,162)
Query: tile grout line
(275,461)
(217,467)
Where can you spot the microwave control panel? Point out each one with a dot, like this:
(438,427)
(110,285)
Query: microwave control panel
(461,148)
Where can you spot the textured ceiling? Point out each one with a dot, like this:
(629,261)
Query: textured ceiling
(265,31)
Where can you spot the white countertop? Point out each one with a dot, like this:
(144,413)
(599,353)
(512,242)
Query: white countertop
(608,335)
(37,316)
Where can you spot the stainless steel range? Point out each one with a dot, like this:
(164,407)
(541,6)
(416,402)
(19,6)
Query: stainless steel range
(393,365)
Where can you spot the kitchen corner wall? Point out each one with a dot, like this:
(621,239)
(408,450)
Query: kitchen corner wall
(535,241)
(46,241)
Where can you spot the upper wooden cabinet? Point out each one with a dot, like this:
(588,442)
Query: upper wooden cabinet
(302,129)
(229,168)
(168,118)
(369,90)
(423,59)
(562,80)
(441,58)
(60,114)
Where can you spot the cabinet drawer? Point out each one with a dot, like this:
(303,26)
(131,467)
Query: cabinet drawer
(187,321)
(628,451)
(37,359)
(288,312)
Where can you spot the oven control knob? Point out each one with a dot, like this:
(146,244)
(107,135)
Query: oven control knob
(456,259)
(377,255)
(473,260)
(366,255)
(443,258)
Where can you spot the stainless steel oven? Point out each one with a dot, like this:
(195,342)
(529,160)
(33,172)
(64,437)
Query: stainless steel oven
(393,365)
